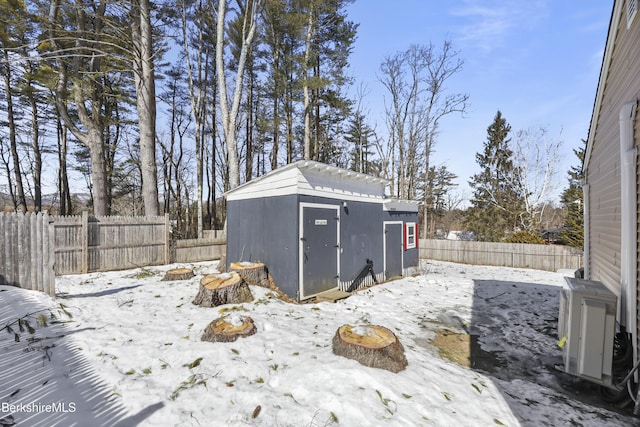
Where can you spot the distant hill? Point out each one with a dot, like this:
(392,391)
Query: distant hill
(50,201)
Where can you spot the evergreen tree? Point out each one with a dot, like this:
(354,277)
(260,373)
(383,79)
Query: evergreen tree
(495,205)
(440,182)
(359,136)
(572,200)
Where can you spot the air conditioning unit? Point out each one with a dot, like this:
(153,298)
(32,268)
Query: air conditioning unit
(586,327)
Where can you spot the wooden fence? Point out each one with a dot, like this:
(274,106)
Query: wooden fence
(26,256)
(34,248)
(86,244)
(540,257)
(194,250)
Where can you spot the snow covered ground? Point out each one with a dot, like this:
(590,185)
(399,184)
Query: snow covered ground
(132,355)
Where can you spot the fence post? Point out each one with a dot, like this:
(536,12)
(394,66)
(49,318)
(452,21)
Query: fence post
(167,240)
(49,259)
(84,237)
(23,252)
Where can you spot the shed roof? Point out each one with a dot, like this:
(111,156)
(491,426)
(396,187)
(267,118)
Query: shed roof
(317,179)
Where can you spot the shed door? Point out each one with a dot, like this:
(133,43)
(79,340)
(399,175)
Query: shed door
(319,248)
(393,249)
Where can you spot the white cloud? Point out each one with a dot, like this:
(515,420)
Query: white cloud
(487,23)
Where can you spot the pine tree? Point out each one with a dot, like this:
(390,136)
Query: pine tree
(440,182)
(573,204)
(359,135)
(495,205)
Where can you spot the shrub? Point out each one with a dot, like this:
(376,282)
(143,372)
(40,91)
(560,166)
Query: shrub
(525,237)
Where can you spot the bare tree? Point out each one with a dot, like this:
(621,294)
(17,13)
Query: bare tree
(230,111)
(403,95)
(196,63)
(415,80)
(535,158)
(311,25)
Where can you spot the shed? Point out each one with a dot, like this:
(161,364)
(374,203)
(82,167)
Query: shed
(318,227)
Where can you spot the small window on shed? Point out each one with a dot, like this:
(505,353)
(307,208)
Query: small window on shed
(410,235)
(632,10)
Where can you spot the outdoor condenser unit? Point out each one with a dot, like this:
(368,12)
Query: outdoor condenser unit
(586,327)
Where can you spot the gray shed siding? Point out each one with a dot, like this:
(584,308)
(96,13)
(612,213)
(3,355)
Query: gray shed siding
(314,226)
(266,230)
(360,235)
(411,257)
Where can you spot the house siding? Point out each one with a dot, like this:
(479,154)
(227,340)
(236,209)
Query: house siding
(622,85)
(620,78)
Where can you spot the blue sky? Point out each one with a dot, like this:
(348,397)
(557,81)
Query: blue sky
(537,61)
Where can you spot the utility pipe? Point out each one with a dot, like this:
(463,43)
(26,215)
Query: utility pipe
(629,217)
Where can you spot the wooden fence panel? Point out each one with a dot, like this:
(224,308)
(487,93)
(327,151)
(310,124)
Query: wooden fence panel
(540,257)
(126,242)
(69,244)
(86,244)
(36,247)
(26,260)
(194,250)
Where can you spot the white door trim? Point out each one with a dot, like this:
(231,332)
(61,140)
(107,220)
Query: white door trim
(384,244)
(303,205)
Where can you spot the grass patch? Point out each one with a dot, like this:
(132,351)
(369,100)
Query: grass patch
(191,382)
(144,273)
(453,346)
(193,364)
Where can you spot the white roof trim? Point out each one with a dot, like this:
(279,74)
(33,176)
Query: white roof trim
(317,167)
(604,72)
(401,205)
(333,170)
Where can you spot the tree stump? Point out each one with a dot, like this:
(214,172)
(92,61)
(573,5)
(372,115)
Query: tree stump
(371,345)
(222,264)
(254,273)
(229,328)
(178,274)
(224,288)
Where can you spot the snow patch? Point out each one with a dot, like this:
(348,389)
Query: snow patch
(140,338)
(234,319)
(363,330)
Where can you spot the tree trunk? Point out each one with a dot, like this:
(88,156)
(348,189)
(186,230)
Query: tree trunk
(230,111)
(35,142)
(305,88)
(20,204)
(219,289)
(370,345)
(229,328)
(222,264)
(101,205)
(144,75)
